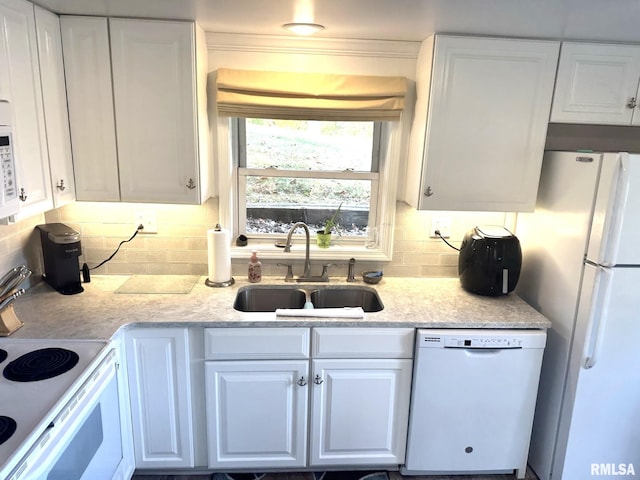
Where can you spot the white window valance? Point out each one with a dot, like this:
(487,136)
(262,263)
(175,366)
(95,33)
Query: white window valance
(309,96)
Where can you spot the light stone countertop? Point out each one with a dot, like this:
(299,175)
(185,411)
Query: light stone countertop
(98,312)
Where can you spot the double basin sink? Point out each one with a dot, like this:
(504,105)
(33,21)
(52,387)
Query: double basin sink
(267,298)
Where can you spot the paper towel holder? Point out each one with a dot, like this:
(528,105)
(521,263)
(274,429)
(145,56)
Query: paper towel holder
(228,283)
(210,283)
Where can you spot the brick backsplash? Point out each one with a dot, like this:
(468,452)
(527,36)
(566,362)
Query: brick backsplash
(20,245)
(180,246)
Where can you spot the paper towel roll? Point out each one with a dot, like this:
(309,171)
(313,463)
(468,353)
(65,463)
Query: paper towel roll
(219,250)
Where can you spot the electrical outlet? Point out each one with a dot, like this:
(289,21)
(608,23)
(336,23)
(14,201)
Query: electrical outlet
(443,225)
(147,219)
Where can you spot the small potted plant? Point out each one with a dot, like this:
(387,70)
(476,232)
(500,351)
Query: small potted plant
(323,238)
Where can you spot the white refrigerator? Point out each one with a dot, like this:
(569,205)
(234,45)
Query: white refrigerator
(581,269)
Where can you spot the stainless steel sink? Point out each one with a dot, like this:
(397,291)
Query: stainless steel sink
(259,298)
(267,298)
(352,296)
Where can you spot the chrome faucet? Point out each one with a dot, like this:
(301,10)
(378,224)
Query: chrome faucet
(307,260)
(306,275)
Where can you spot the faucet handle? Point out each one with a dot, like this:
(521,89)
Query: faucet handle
(289,276)
(350,271)
(325,271)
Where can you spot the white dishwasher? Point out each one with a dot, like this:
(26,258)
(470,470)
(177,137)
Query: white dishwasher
(472,403)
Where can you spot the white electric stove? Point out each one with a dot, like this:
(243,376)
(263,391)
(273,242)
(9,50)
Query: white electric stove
(39,379)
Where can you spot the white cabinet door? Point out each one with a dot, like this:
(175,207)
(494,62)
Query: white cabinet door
(155,102)
(360,410)
(598,84)
(486,103)
(56,115)
(20,85)
(257,413)
(87,67)
(158,364)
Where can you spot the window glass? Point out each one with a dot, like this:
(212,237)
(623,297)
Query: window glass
(308,144)
(293,170)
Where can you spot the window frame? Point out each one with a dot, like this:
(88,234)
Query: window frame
(238,131)
(393,147)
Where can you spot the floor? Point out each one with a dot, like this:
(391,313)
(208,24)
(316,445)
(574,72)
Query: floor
(392,476)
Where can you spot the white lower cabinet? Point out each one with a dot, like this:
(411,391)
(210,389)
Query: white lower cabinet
(159,369)
(360,411)
(258,406)
(256,413)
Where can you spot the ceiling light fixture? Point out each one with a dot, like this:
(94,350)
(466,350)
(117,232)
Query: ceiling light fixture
(300,28)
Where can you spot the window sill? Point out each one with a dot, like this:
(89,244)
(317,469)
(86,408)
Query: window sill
(268,251)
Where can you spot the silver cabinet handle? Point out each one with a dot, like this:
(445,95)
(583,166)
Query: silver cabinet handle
(191,184)
(428,192)
(60,185)
(631,103)
(23,195)
(317,380)
(302,381)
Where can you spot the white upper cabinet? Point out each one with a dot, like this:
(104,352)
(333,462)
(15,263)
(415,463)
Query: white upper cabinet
(54,98)
(480,123)
(147,129)
(20,85)
(87,67)
(153,81)
(597,84)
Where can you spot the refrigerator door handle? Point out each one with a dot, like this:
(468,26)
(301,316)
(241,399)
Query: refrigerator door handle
(598,317)
(616,210)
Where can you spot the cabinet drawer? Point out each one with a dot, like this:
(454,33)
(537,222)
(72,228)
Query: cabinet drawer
(363,342)
(255,343)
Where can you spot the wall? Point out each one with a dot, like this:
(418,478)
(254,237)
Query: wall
(180,246)
(20,245)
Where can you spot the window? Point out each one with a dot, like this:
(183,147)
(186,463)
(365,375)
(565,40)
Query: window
(303,170)
(333,140)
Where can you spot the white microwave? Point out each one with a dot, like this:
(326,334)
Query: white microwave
(9,202)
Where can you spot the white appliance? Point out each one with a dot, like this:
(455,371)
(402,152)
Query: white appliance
(66,426)
(9,200)
(472,401)
(581,269)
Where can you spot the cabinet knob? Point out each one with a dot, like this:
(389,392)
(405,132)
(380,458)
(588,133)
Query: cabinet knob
(632,103)
(191,184)
(317,380)
(23,195)
(60,185)
(428,192)
(302,381)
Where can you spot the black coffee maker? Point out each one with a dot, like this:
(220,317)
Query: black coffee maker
(60,250)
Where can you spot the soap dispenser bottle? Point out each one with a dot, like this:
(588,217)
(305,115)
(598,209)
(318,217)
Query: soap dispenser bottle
(255,268)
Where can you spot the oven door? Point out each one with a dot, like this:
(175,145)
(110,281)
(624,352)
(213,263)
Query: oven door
(84,442)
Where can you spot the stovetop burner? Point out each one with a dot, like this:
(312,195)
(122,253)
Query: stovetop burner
(40,364)
(7,428)
(3,355)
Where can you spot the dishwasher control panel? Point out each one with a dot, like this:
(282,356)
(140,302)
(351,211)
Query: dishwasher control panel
(488,339)
(482,342)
